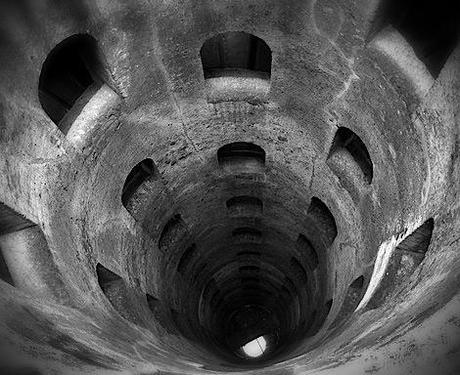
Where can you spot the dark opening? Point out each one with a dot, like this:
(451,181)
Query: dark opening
(249,253)
(419,240)
(327,308)
(431,28)
(232,53)
(106,278)
(12,221)
(298,271)
(358,283)
(240,152)
(403,262)
(352,298)
(186,258)
(307,250)
(323,219)
(244,204)
(247,234)
(249,269)
(152,302)
(4,271)
(70,70)
(142,172)
(173,231)
(347,141)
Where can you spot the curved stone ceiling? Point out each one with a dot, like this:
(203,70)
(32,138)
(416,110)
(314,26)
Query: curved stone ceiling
(182,178)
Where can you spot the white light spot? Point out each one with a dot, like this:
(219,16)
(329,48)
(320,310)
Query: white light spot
(255,348)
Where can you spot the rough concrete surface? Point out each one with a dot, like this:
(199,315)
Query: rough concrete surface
(162,204)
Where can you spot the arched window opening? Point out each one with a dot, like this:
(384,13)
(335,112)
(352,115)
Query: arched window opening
(142,172)
(107,279)
(173,232)
(432,29)
(25,259)
(323,219)
(10,221)
(255,348)
(298,271)
(404,260)
(153,303)
(5,274)
(241,153)
(234,53)
(307,250)
(244,234)
(347,143)
(327,307)
(249,269)
(186,258)
(69,78)
(352,298)
(116,291)
(419,240)
(244,205)
(249,253)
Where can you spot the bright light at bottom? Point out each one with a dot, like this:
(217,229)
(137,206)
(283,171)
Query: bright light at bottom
(255,348)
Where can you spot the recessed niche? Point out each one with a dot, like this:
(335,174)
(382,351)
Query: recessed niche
(152,302)
(419,240)
(70,76)
(235,54)
(173,232)
(249,269)
(323,219)
(244,206)
(249,253)
(10,221)
(404,260)
(298,270)
(5,274)
(106,278)
(352,299)
(116,291)
(25,259)
(307,251)
(327,308)
(142,172)
(242,235)
(431,28)
(241,155)
(348,151)
(185,259)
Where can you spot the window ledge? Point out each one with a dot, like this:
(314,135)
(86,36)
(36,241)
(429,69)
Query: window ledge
(233,86)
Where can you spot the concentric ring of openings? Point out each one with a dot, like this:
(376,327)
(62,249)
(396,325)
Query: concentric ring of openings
(432,29)
(70,76)
(235,54)
(142,172)
(403,262)
(241,154)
